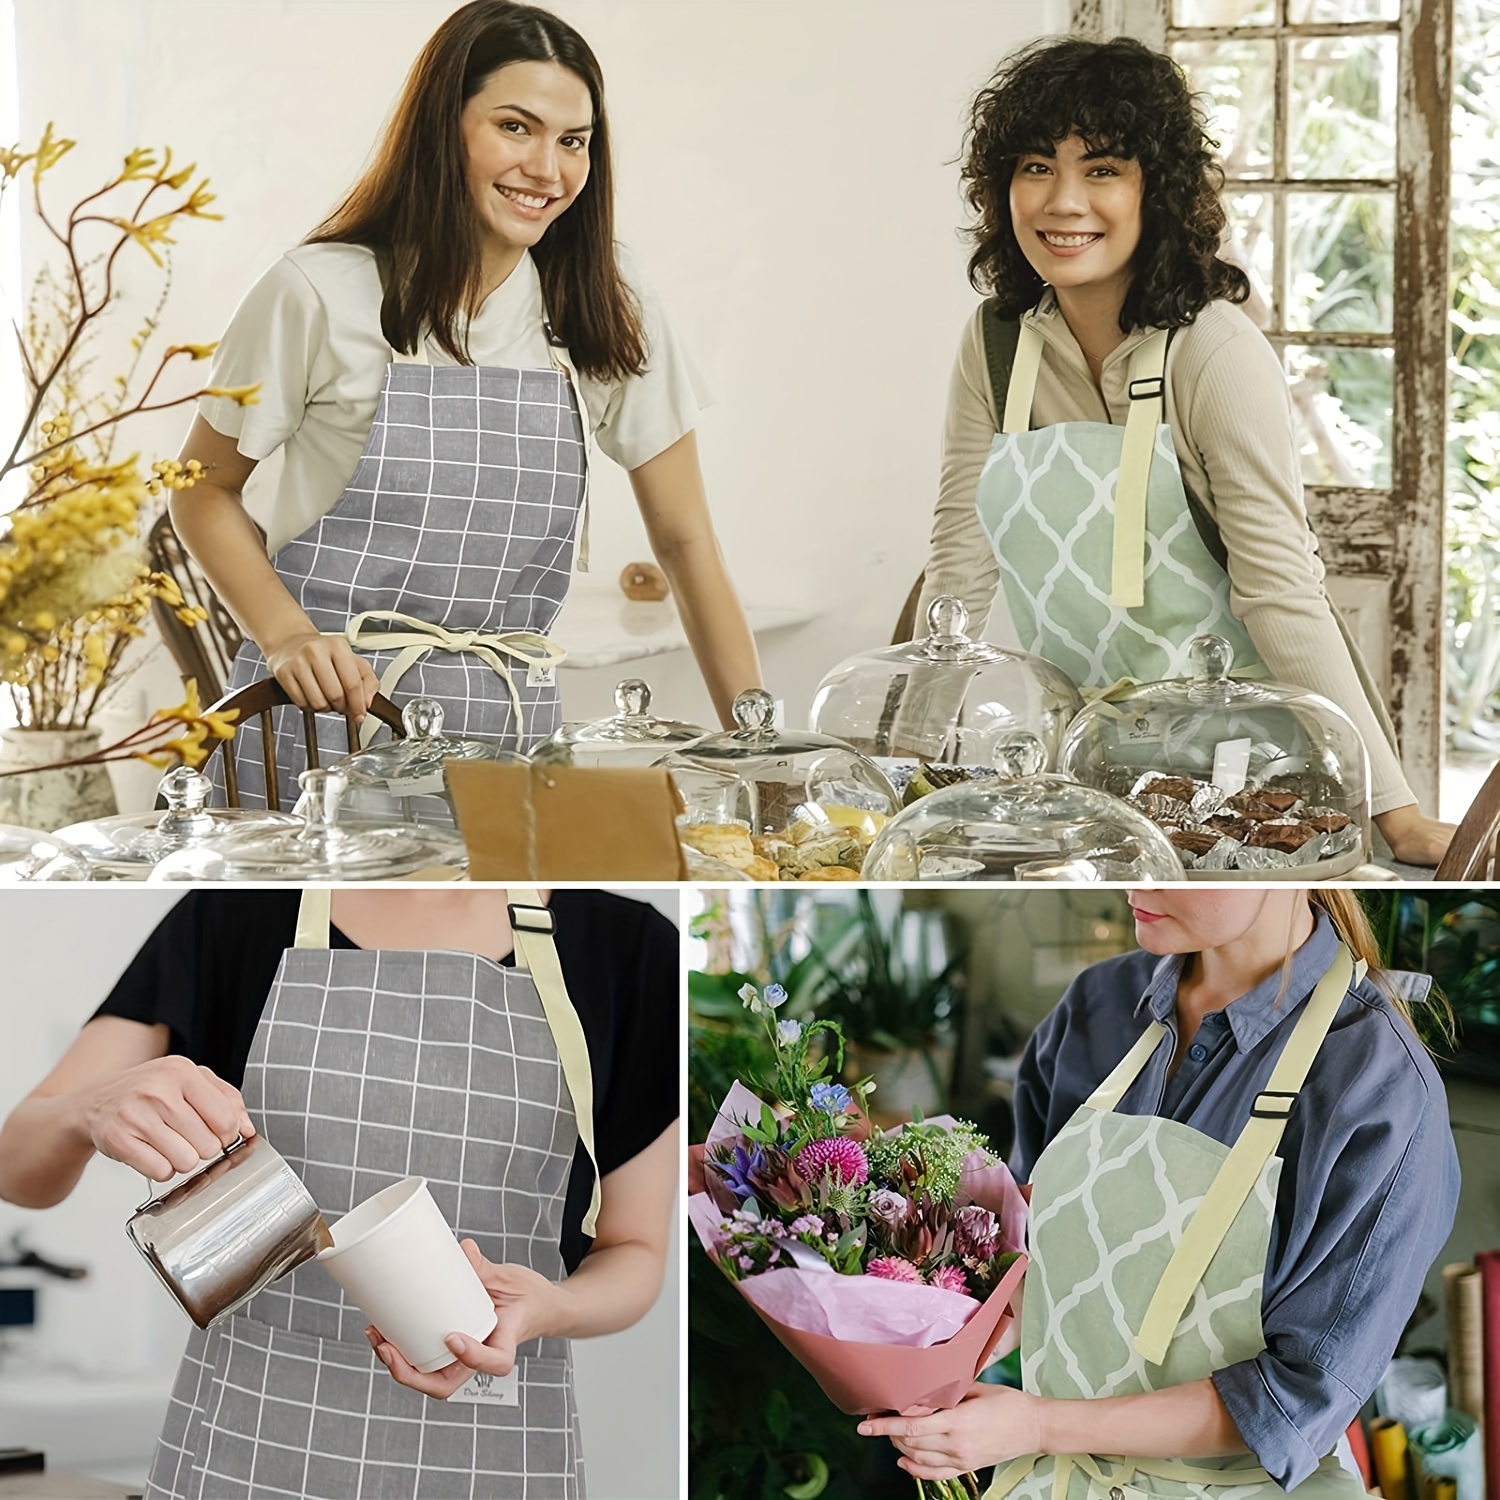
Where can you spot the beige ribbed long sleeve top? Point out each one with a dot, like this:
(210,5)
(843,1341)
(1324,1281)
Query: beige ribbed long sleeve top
(1229,409)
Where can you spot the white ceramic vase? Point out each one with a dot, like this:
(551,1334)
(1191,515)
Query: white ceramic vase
(49,800)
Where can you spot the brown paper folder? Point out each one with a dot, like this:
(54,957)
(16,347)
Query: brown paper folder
(546,823)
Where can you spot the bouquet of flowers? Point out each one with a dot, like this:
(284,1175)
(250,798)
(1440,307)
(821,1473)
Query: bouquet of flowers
(885,1262)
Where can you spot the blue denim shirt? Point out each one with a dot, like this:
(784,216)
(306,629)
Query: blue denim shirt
(1369,1179)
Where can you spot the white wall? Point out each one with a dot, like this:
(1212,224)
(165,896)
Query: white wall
(61,951)
(786,179)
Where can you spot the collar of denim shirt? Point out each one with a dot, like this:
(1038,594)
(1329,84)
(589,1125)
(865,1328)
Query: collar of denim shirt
(1258,1011)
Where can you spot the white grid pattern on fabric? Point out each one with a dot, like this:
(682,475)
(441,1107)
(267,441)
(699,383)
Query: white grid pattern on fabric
(468,524)
(364,1061)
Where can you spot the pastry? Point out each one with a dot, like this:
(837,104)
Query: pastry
(1194,840)
(1327,822)
(1179,787)
(1287,837)
(831,872)
(729,842)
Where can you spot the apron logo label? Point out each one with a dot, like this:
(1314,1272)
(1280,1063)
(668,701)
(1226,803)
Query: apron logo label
(484,1389)
(541,674)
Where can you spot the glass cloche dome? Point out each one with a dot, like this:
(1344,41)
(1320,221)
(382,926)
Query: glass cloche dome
(946,698)
(318,846)
(1021,824)
(401,780)
(1246,778)
(632,736)
(29,856)
(779,804)
(128,845)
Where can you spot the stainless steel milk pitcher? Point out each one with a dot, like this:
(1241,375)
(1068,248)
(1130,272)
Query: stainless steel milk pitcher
(230,1229)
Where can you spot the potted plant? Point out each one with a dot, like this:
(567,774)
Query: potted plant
(74,586)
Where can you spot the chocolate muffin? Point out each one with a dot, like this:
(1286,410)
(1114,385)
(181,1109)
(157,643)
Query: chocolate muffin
(1193,840)
(1287,837)
(1179,787)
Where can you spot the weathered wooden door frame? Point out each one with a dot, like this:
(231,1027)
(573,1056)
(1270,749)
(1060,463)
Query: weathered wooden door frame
(1396,535)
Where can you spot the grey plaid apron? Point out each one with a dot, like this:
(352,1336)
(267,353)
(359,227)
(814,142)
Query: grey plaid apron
(368,1067)
(462,514)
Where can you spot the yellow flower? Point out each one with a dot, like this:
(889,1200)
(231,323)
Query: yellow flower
(195,351)
(241,395)
(49,152)
(44,621)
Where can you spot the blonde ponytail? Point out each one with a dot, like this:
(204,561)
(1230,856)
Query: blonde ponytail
(1350,921)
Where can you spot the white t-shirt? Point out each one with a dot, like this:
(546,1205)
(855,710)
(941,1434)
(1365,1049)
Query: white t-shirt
(309,333)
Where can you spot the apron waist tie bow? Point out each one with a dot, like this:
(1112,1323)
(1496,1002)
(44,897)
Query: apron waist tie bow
(415,638)
(1114,1473)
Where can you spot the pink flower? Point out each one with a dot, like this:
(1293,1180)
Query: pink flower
(891,1268)
(842,1158)
(949,1278)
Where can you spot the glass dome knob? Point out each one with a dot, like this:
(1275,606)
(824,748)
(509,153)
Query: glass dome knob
(322,791)
(1020,754)
(1211,656)
(947,617)
(422,719)
(754,711)
(633,698)
(184,790)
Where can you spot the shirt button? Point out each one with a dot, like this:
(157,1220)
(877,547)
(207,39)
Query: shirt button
(1197,1052)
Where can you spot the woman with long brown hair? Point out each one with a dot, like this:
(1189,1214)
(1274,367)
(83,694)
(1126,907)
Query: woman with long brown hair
(434,362)
(1240,1169)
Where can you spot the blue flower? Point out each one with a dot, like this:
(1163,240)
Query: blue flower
(788,1032)
(774,995)
(737,1171)
(831,1098)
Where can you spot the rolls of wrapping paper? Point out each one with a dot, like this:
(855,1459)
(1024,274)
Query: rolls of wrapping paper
(1414,1391)
(1463,1292)
(1488,1262)
(1451,1448)
(1388,1454)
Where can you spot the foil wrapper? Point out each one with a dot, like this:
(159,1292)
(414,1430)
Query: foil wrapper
(1207,799)
(1221,857)
(1276,859)
(1166,812)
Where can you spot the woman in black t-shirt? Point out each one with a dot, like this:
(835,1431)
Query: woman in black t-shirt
(211,1003)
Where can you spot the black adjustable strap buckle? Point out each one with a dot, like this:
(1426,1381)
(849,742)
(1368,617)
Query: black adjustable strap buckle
(532,919)
(1276,1111)
(552,337)
(1152,388)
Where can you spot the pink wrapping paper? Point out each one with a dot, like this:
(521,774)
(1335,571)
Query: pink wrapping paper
(875,1345)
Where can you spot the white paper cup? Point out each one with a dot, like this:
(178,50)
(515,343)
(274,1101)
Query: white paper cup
(401,1264)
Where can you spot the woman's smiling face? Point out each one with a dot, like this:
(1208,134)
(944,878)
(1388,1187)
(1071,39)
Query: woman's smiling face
(1077,216)
(526,140)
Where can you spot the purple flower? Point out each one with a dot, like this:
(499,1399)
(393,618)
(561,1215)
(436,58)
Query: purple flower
(739,1168)
(976,1232)
(841,1158)
(831,1098)
(806,1224)
(889,1207)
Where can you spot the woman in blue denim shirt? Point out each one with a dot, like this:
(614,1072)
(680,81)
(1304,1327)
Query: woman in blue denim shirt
(1241,1170)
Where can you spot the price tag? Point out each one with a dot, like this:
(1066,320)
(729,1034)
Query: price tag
(484,1389)
(541,674)
(1231,763)
(431,784)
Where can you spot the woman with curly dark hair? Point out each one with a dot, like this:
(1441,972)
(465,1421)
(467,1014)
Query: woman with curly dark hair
(1119,451)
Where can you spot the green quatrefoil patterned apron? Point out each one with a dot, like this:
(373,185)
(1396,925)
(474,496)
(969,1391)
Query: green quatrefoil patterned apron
(1148,1245)
(1104,570)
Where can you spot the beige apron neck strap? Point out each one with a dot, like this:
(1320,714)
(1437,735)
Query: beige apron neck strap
(562,360)
(1147,402)
(1241,1169)
(401,357)
(533,926)
(1114,1088)
(1022,387)
(313,916)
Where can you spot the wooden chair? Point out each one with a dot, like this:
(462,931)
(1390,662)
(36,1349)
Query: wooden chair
(260,698)
(1474,853)
(906,621)
(203,652)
